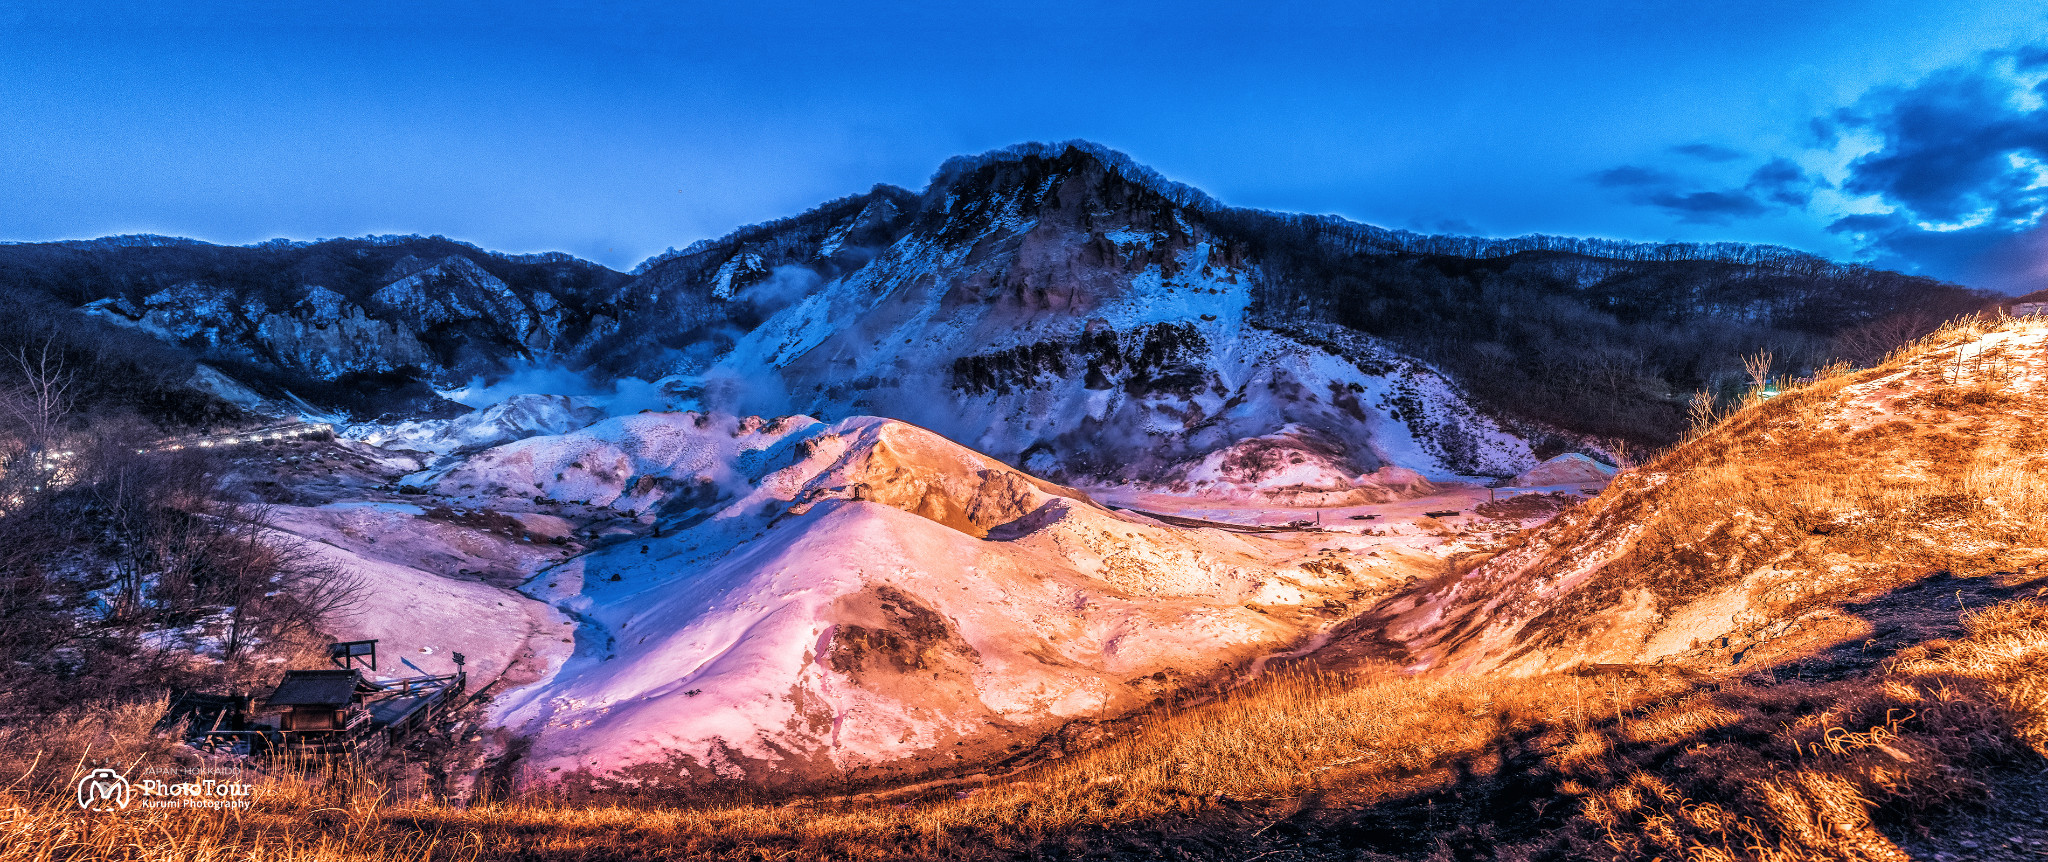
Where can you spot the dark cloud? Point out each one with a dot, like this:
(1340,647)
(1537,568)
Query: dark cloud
(1630,176)
(1869,224)
(1823,132)
(1782,181)
(1708,152)
(1959,147)
(1778,184)
(1996,258)
(1948,147)
(1960,165)
(1445,225)
(1708,207)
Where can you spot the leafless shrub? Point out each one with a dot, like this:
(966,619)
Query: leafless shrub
(1703,412)
(273,587)
(1758,367)
(98,572)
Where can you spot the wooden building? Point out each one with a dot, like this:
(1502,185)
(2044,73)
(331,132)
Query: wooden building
(321,701)
(337,709)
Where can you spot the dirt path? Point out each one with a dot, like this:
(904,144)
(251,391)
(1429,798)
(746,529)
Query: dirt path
(1251,516)
(1199,524)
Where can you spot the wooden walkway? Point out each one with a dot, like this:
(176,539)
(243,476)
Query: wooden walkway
(266,434)
(407,706)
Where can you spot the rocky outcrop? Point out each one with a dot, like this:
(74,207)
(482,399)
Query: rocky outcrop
(320,335)
(377,312)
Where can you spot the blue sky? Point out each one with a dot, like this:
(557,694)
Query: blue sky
(1911,133)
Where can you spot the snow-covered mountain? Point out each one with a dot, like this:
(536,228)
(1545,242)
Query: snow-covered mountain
(368,326)
(1057,306)
(1053,312)
(1068,312)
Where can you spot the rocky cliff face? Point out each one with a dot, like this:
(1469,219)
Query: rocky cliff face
(299,315)
(1071,313)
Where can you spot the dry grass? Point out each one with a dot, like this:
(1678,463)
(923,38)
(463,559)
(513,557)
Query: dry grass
(1550,767)
(1832,770)
(1849,482)
(1276,740)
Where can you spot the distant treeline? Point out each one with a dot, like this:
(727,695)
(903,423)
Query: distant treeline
(80,271)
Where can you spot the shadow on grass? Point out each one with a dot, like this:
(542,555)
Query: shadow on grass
(1923,739)
(1884,748)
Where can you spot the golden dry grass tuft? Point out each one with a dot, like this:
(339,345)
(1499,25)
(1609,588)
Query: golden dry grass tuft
(1839,769)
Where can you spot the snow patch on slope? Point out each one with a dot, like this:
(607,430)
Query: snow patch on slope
(631,462)
(414,600)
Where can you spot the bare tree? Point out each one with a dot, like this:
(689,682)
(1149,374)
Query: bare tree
(176,551)
(1702,412)
(43,390)
(273,586)
(36,398)
(129,508)
(1758,366)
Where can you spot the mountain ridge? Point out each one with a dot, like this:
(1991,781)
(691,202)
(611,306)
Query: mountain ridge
(1037,267)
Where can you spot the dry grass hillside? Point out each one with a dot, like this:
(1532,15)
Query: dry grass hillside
(1937,753)
(1892,514)
(1751,533)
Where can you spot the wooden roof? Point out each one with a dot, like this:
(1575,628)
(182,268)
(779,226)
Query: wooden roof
(330,688)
